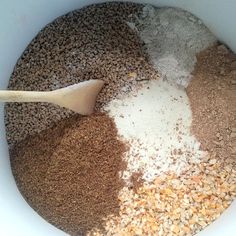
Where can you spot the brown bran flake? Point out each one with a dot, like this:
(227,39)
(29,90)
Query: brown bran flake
(212,94)
(70,173)
(136,181)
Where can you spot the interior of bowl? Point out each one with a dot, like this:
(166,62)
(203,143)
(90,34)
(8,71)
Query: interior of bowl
(19,24)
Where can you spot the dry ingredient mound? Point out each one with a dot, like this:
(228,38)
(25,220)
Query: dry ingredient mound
(159,141)
(70,168)
(212,95)
(70,173)
(91,43)
(183,205)
(172,205)
(172,38)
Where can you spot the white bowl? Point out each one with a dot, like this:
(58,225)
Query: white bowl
(20,21)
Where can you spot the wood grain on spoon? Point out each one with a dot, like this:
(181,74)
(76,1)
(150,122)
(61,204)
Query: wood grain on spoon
(80,98)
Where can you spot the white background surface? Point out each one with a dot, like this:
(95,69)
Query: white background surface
(20,21)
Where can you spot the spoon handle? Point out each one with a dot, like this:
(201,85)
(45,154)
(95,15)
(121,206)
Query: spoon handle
(24,96)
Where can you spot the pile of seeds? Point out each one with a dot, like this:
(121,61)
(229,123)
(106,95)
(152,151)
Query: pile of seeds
(70,173)
(92,43)
(70,168)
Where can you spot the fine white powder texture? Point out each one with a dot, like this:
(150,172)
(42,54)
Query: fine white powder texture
(155,121)
(172,37)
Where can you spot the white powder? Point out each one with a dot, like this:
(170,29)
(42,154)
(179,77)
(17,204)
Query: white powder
(172,37)
(156,119)
(156,122)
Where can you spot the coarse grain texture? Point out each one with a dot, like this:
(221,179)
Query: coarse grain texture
(185,204)
(175,205)
(212,95)
(94,42)
(70,173)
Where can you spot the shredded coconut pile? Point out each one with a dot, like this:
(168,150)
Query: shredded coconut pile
(172,37)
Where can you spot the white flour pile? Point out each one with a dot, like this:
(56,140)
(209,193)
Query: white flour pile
(156,123)
(172,37)
(156,119)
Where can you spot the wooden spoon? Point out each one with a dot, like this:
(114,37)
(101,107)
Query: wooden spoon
(79,97)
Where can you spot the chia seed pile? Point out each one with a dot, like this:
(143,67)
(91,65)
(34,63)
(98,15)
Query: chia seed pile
(158,156)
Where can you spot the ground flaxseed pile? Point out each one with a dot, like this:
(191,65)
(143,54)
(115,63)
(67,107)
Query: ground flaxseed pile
(212,95)
(70,173)
(92,43)
(71,170)
(183,205)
